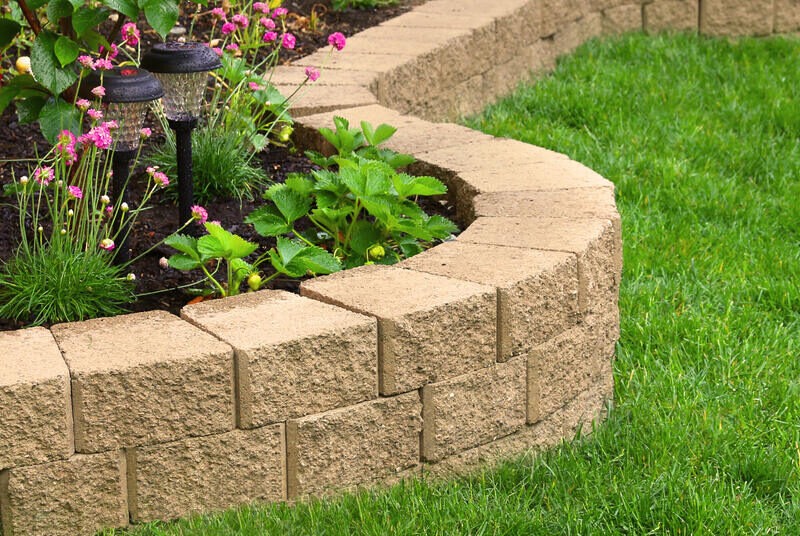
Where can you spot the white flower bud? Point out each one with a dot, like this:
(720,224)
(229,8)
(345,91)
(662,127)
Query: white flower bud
(163,263)
(131,277)
(23,179)
(124,207)
(105,200)
(70,212)
(40,229)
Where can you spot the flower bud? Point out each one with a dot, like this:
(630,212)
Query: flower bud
(254,281)
(70,212)
(23,65)
(377,251)
(124,207)
(105,199)
(63,231)
(40,229)
(131,277)
(163,263)
(23,180)
(285,133)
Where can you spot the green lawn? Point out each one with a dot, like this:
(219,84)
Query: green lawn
(701,138)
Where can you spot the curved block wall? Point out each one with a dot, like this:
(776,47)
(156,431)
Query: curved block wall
(484,347)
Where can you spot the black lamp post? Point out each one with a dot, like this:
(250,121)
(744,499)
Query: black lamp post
(183,70)
(129,90)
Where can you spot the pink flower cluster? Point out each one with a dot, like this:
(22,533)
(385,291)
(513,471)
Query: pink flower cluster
(130,34)
(200,214)
(75,192)
(312,74)
(43,175)
(241,21)
(99,136)
(269,24)
(159,177)
(66,147)
(261,6)
(337,40)
(102,64)
(288,40)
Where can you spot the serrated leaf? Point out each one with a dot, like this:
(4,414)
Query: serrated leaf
(185,244)
(183,262)
(288,249)
(364,236)
(409,247)
(369,132)
(45,65)
(267,221)
(94,40)
(58,9)
(87,18)
(383,133)
(7,94)
(291,204)
(398,160)
(408,186)
(28,110)
(318,261)
(211,248)
(161,15)
(278,264)
(57,115)
(66,50)
(299,183)
(414,229)
(126,7)
(234,246)
(440,227)
(8,31)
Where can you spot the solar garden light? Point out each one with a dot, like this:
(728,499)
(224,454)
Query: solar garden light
(183,70)
(129,90)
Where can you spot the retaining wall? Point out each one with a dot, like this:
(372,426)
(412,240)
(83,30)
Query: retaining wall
(484,347)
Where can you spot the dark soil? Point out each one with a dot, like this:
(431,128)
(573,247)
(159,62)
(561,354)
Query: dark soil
(19,142)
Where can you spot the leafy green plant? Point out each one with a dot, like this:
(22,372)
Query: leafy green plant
(62,283)
(223,167)
(59,32)
(290,257)
(341,5)
(364,142)
(365,212)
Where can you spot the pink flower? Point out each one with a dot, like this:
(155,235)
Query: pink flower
(109,210)
(145,133)
(269,37)
(66,138)
(130,34)
(288,41)
(255,87)
(83,104)
(269,24)
(112,53)
(240,20)
(200,214)
(104,65)
(261,6)
(107,244)
(161,178)
(43,175)
(99,91)
(233,47)
(216,222)
(218,13)
(110,125)
(99,136)
(228,28)
(95,114)
(279,12)
(337,40)
(217,50)
(75,192)
(85,61)
(312,74)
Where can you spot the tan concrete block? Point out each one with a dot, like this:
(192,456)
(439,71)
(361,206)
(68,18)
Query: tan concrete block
(532,60)
(473,409)
(359,44)
(354,61)
(621,19)
(557,14)
(582,412)
(677,15)
(572,203)
(563,367)
(537,291)
(145,378)
(787,16)
(74,497)
(318,99)
(346,447)
(465,98)
(36,415)
(294,75)
(430,328)
(737,17)
(294,356)
(517,30)
(576,33)
(415,19)
(596,243)
(470,7)
(206,474)
(412,34)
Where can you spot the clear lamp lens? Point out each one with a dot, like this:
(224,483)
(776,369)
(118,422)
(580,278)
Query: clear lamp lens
(130,117)
(183,94)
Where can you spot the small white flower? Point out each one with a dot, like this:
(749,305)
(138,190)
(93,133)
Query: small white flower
(70,212)
(40,229)
(23,179)
(63,231)
(131,277)
(105,199)
(124,207)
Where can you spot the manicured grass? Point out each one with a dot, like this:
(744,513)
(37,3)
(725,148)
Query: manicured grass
(701,138)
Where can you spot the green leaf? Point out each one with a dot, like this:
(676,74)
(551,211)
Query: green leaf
(383,133)
(408,186)
(211,248)
(36,4)
(288,249)
(8,31)
(87,18)
(28,110)
(365,235)
(57,115)
(440,227)
(185,244)
(58,9)
(369,132)
(126,7)
(161,15)
(95,40)
(318,261)
(331,136)
(291,204)
(7,95)
(45,65)
(409,247)
(299,183)
(183,262)
(268,221)
(66,50)
(234,246)
(410,227)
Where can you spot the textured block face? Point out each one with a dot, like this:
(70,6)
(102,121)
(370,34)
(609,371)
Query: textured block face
(574,34)
(206,474)
(350,446)
(557,13)
(563,367)
(75,497)
(574,203)
(787,15)
(737,17)
(321,99)
(621,19)
(537,290)
(294,356)
(429,328)
(671,15)
(473,409)
(596,243)
(36,417)
(145,378)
